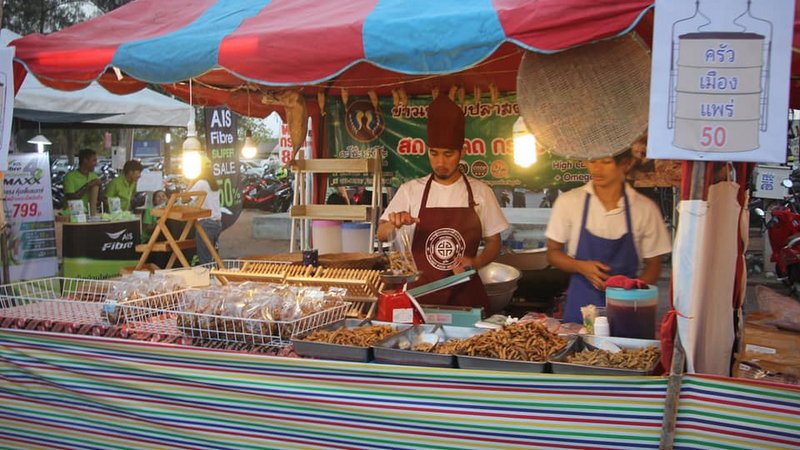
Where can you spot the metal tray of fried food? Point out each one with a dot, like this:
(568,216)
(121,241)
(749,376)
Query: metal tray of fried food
(387,351)
(560,365)
(510,365)
(324,350)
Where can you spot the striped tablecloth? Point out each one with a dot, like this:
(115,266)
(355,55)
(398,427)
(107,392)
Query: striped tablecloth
(65,391)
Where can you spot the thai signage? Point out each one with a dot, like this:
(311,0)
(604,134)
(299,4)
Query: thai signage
(31,251)
(719,80)
(399,132)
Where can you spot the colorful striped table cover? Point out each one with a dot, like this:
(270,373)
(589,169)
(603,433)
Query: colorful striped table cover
(66,391)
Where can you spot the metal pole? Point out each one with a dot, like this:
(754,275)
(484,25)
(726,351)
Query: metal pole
(677,365)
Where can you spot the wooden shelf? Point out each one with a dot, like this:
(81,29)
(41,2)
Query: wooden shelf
(361,213)
(182,213)
(334,165)
(165,247)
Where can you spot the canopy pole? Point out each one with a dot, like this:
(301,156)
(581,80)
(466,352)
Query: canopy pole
(696,188)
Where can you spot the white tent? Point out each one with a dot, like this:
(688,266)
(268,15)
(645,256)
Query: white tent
(95,105)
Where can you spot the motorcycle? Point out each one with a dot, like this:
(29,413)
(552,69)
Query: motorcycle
(783,230)
(268,193)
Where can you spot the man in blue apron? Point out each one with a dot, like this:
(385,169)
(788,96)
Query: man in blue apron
(604,228)
(447,213)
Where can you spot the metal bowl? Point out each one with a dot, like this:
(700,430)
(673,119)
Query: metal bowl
(500,281)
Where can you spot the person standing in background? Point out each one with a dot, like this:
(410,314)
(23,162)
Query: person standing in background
(124,187)
(211,225)
(82,183)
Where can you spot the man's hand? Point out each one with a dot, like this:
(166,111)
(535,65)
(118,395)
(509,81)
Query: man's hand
(402,218)
(594,271)
(464,263)
(93,183)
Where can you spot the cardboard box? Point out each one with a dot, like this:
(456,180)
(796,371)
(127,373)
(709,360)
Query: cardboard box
(768,353)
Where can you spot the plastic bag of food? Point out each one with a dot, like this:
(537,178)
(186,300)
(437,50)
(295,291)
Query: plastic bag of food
(401,260)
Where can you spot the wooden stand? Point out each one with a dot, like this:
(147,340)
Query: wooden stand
(188,214)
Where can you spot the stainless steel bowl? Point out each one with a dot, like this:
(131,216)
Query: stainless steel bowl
(501,283)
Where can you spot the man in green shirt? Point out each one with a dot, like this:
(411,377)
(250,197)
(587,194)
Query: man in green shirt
(124,187)
(83,183)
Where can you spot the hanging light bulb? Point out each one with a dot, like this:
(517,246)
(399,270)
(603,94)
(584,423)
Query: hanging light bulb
(249,149)
(192,148)
(524,144)
(39,140)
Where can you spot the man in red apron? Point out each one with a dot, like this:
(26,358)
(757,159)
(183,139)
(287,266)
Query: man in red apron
(609,229)
(450,213)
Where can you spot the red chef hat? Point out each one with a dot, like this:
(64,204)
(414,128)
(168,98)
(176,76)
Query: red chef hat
(445,124)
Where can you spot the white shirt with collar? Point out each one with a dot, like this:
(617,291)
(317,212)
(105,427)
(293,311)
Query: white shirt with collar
(650,234)
(409,198)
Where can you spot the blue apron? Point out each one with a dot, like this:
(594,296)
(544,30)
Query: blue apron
(618,254)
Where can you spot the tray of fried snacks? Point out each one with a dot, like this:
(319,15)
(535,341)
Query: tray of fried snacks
(350,340)
(520,347)
(424,345)
(603,355)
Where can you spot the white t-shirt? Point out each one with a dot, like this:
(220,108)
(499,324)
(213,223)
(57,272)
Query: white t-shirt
(650,234)
(409,197)
(212,199)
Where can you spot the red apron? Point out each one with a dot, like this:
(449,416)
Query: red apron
(442,236)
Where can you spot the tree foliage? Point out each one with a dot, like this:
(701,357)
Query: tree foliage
(46,16)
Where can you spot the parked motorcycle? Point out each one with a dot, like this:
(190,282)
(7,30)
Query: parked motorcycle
(783,229)
(267,193)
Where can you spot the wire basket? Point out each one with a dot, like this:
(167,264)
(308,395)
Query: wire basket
(225,328)
(58,299)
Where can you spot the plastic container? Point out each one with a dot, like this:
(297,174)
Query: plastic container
(601,326)
(632,312)
(356,237)
(326,236)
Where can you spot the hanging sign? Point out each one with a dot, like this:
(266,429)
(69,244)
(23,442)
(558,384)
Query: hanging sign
(399,132)
(720,80)
(31,249)
(222,145)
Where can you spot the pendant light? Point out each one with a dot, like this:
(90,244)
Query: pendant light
(40,140)
(192,148)
(524,144)
(249,148)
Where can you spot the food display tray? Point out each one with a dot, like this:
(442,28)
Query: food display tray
(560,365)
(386,351)
(323,350)
(511,365)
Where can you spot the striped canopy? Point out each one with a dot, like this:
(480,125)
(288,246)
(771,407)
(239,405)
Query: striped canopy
(235,48)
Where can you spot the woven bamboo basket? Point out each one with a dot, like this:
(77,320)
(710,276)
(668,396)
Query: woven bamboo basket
(369,261)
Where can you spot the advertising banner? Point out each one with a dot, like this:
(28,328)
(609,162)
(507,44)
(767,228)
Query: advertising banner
(399,133)
(720,78)
(6,103)
(222,144)
(100,249)
(29,213)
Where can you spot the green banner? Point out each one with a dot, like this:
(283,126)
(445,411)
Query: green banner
(399,133)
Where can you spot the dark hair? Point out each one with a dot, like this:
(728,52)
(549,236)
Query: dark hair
(625,156)
(85,154)
(132,166)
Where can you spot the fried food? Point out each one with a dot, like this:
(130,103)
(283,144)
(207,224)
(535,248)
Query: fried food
(358,337)
(529,341)
(639,359)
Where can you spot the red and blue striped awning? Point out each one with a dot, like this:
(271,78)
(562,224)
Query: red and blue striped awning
(357,45)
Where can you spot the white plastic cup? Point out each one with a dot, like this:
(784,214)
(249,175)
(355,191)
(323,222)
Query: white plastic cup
(601,327)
